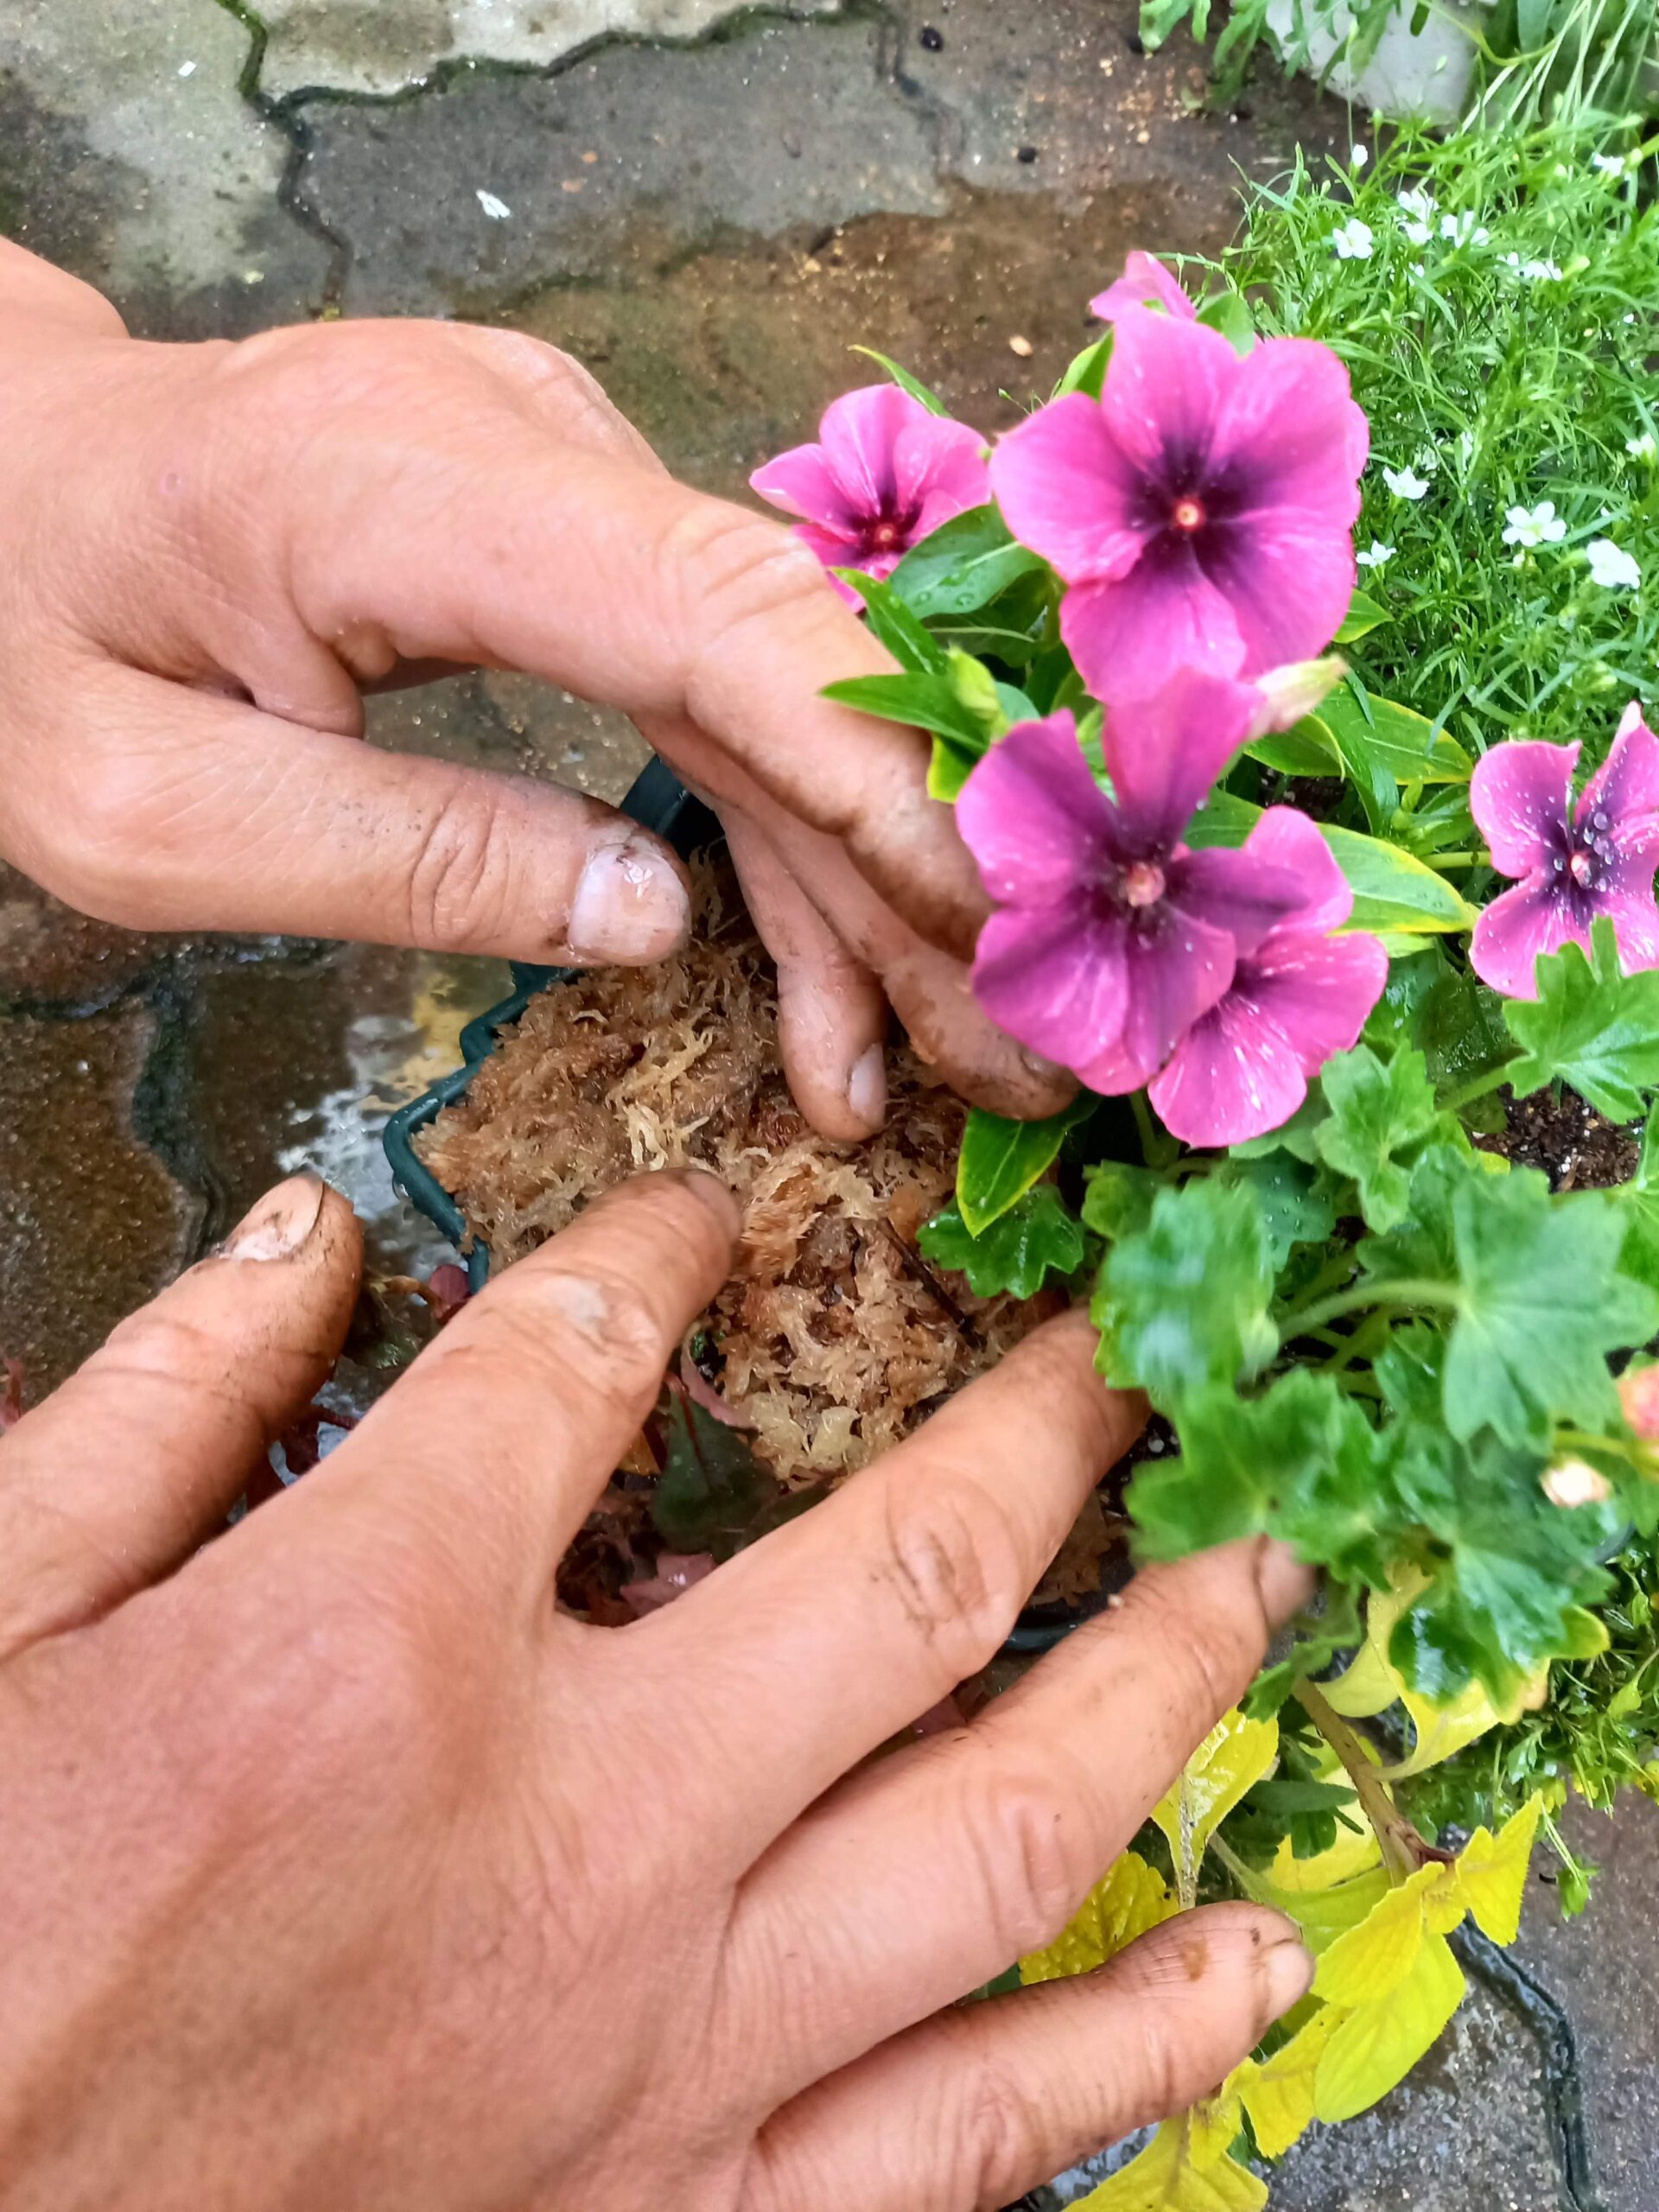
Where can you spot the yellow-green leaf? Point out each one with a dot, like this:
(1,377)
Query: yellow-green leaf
(1356,1851)
(1376,2045)
(1394,890)
(1375,1957)
(1235,1755)
(1165,2178)
(1278,2092)
(1492,1872)
(1129,1899)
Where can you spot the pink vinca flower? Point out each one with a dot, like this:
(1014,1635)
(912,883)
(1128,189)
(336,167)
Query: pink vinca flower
(1200,510)
(1110,938)
(1144,283)
(884,474)
(1301,996)
(1574,862)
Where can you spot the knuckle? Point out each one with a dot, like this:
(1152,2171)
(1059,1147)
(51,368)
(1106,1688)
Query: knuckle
(1026,1843)
(954,1567)
(746,569)
(457,880)
(996,2129)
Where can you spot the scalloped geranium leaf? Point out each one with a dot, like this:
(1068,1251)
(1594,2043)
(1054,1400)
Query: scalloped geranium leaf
(1020,1248)
(1183,1302)
(1591,1027)
(1379,1112)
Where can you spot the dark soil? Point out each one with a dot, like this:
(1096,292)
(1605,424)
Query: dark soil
(1574,1145)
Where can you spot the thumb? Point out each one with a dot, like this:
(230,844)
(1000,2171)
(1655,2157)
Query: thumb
(192,812)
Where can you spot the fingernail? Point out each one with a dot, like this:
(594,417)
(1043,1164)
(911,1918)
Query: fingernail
(1286,1584)
(280,1224)
(1045,1071)
(1288,1968)
(867,1088)
(630,906)
(711,1192)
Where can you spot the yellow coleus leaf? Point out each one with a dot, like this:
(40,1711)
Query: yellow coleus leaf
(1236,1754)
(1163,2178)
(1368,1960)
(1278,2092)
(1356,1851)
(1373,2048)
(1491,1871)
(1130,1898)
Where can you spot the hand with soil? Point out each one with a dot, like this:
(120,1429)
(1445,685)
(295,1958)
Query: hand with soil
(343,1869)
(208,552)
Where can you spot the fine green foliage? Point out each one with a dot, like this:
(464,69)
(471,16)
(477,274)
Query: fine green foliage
(1506,364)
(1035,1238)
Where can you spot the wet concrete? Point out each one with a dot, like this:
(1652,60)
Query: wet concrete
(789,184)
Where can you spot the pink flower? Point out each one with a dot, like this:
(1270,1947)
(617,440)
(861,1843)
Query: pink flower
(1144,283)
(1200,510)
(1574,863)
(1110,938)
(885,473)
(1301,996)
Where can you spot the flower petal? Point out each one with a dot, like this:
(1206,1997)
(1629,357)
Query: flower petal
(1130,637)
(1317,990)
(1144,280)
(1626,788)
(1067,491)
(1287,839)
(1165,391)
(1164,750)
(1514,929)
(1636,925)
(860,431)
(1519,796)
(1034,817)
(1176,972)
(1055,979)
(939,469)
(1289,434)
(1231,1077)
(1233,891)
(1287,577)
(801,482)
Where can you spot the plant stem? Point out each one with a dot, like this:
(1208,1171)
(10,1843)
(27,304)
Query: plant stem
(1156,1149)
(1410,1290)
(1404,1850)
(1479,1087)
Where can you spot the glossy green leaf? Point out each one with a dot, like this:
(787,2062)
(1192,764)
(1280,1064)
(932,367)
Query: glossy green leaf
(1406,745)
(1035,1238)
(911,644)
(1229,312)
(1001,1160)
(1086,371)
(904,379)
(1363,616)
(962,566)
(1393,889)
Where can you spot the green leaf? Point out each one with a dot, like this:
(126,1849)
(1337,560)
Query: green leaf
(1541,1305)
(1297,1210)
(1117,1200)
(1380,1111)
(1001,1160)
(1363,616)
(1229,312)
(1300,1462)
(714,1494)
(1304,749)
(1086,371)
(1406,745)
(1590,1027)
(1183,1301)
(1034,1238)
(1373,2049)
(962,565)
(924,702)
(1168,2176)
(911,644)
(1638,1199)
(904,379)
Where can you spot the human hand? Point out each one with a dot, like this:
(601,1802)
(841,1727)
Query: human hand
(206,552)
(341,1869)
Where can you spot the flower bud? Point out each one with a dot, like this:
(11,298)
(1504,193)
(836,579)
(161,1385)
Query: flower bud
(1286,694)
(1638,1394)
(1575,1482)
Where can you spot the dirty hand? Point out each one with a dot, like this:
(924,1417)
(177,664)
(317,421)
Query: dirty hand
(341,1869)
(206,551)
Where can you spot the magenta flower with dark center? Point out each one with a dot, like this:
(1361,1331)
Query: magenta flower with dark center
(1110,938)
(1574,863)
(884,474)
(1200,510)
(1145,282)
(1302,995)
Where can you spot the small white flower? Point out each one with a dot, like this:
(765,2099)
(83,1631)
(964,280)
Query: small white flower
(1427,462)
(1358,156)
(1377,554)
(1642,449)
(1609,164)
(497,210)
(1418,210)
(1539,525)
(1352,241)
(1462,230)
(1534,272)
(1611,566)
(1465,448)
(1405,483)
